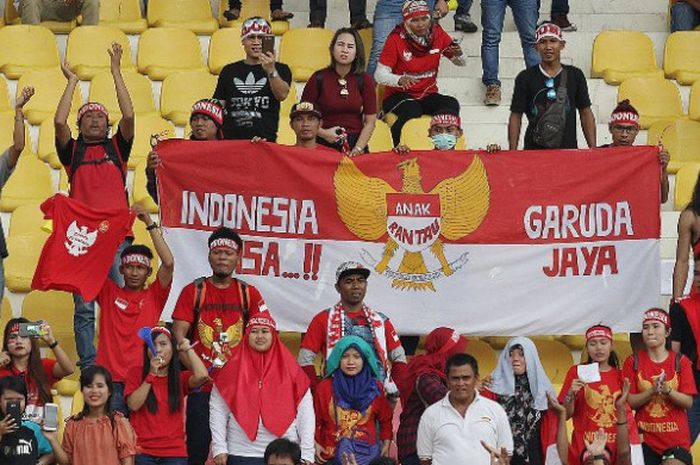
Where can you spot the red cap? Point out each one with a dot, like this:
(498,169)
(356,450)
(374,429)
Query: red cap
(262,319)
(625,113)
(548,30)
(211,108)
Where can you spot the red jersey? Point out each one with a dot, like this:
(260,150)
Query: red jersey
(220,325)
(122,313)
(34,409)
(594,408)
(663,423)
(161,434)
(404,56)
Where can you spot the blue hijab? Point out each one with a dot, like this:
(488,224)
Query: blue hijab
(359,391)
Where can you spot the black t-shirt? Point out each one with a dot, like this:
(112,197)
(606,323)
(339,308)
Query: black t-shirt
(19,448)
(530,98)
(251,109)
(681,332)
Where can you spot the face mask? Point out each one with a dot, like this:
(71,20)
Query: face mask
(444,141)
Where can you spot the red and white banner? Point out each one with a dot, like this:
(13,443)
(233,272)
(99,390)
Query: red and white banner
(539,242)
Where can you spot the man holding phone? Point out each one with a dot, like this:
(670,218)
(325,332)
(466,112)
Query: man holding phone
(252,89)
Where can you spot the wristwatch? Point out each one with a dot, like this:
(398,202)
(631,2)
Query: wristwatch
(273,74)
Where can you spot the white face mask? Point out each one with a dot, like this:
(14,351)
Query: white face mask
(444,141)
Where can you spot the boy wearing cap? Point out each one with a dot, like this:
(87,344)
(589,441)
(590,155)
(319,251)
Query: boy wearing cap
(96,166)
(536,90)
(125,309)
(305,120)
(252,89)
(352,316)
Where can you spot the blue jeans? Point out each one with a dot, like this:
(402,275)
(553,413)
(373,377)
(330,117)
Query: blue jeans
(560,8)
(409,460)
(118,403)
(526,14)
(694,419)
(143,459)
(84,318)
(684,17)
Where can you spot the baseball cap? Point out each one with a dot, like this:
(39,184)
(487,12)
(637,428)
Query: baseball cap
(304,107)
(348,268)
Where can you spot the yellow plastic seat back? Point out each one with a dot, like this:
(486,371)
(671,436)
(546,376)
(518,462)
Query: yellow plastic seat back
(20,264)
(305,51)
(654,98)
(140,91)
(124,14)
(26,48)
(163,51)
(681,139)
(681,57)
(139,193)
(694,106)
(49,85)
(46,149)
(194,15)
(87,47)
(145,127)
(181,90)
(414,135)
(556,359)
(618,55)
(380,140)
(26,220)
(483,352)
(30,183)
(686,178)
(225,47)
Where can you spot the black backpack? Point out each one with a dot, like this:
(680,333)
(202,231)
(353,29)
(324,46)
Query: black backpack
(549,128)
(78,158)
(200,291)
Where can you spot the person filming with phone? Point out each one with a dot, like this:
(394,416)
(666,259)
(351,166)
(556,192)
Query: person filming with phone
(21,357)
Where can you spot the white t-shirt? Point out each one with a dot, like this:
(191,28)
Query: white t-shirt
(448,438)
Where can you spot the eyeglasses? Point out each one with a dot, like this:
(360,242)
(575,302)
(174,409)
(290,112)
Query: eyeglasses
(625,129)
(549,84)
(344,92)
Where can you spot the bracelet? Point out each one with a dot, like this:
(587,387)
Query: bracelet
(621,423)
(152,226)
(150,378)
(53,344)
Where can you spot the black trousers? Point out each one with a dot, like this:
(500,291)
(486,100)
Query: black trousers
(197,426)
(406,107)
(236,4)
(317,10)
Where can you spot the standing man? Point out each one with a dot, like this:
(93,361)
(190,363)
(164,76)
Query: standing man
(358,13)
(352,316)
(305,120)
(212,313)
(453,429)
(96,167)
(36,11)
(253,88)
(536,90)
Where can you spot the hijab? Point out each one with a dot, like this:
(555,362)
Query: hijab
(358,391)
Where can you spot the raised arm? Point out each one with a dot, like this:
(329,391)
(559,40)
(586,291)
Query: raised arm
(680,269)
(60,119)
(64,365)
(200,375)
(167,261)
(126,125)
(624,453)
(18,132)
(280,89)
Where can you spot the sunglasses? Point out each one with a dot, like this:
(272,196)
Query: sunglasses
(551,92)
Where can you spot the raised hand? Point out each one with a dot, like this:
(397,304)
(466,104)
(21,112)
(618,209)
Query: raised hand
(115,55)
(70,75)
(24,97)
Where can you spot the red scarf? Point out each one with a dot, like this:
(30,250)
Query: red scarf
(691,307)
(336,331)
(262,385)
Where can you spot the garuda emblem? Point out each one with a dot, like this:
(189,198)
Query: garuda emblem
(413,219)
(79,239)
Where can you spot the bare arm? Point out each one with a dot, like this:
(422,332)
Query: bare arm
(167,261)
(180,329)
(664,158)
(128,460)
(136,399)
(60,119)
(515,121)
(59,454)
(562,438)
(637,400)
(588,126)
(365,134)
(280,89)
(680,269)
(680,399)
(47,459)
(64,365)
(624,453)
(126,125)
(200,375)
(18,132)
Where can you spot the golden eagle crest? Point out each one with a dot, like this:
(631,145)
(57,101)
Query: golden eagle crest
(658,405)
(218,341)
(603,402)
(413,219)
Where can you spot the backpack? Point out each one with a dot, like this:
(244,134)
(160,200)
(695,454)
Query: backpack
(549,128)
(200,292)
(677,366)
(77,160)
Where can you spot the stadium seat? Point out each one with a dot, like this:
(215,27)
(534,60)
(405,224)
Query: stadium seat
(140,91)
(251,8)
(286,104)
(181,90)
(682,140)
(55,307)
(414,135)
(366,36)
(87,47)
(380,141)
(686,177)
(285,134)
(694,106)
(224,47)
(292,340)
(25,48)
(124,14)
(31,182)
(145,127)
(573,341)
(655,99)
(305,50)
(681,60)
(20,264)
(139,192)
(194,15)
(163,51)
(49,85)
(26,220)
(66,387)
(622,350)
(556,359)
(5,311)
(5,105)
(484,354)
(618,55)
(12,16)
(46,148)
(7,124)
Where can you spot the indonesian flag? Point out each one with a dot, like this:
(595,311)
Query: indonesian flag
(80,251)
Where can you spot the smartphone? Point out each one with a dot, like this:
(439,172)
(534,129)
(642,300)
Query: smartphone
(268,44)
(50,417)
(31,329)
(12,408)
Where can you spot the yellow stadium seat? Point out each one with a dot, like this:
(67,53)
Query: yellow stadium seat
(87,47)
(366,36)
(381,141)
(25,48)
(305,51)
(622,350)
(681,60)
(163,51)
(49,85)
(12,17)
(140,91)
(497,342)
(139,192)
(286,104)
(414,135)
(31,182)
(285,134)
(26,220)
(5,104)
(618,55)
(63,182)
(5,312)
(181,90)
(194,15)
(694,106)
(46,148)
(124,14)
(655,99)
(224,47)
(686,178)
(20,264)
(556,359)
(573,341)
(78,403)
(682,140)
(66,387)
(145,127)
(54,307)
(484,354)
(292,340)
(251,8)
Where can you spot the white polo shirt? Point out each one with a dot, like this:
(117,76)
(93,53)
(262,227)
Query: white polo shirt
(448,438)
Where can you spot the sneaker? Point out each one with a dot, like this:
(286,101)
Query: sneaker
(316,23)
(464,23)
(493,95)
(281,15)
(233,14)
(362,24)
(564,24)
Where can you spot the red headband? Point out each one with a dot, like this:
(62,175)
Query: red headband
(162,329)
(208,108)
(548,30)
(598,331)
(136,259)
(92,106)
(625,117)
(656,314)
(262,319)
(414,9)
(445,119)
(223,243)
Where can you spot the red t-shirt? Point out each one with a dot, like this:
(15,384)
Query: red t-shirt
(347,111)
(404,57)
(663,423)
(594,408)
(220,326)
(122,313)
(161,434)
(34,409)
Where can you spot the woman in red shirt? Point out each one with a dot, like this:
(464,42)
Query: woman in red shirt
(408,67)
(21,357)
(345,95)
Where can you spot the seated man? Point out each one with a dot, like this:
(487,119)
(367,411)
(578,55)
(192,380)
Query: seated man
(685,15)
(305,120)
(36,11)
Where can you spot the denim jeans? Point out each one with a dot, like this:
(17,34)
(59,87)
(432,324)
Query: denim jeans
(684,17)
(118,403)
(197,427)
(84,318)
(526,14)
(143,459)
(694,419)
(560,8)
